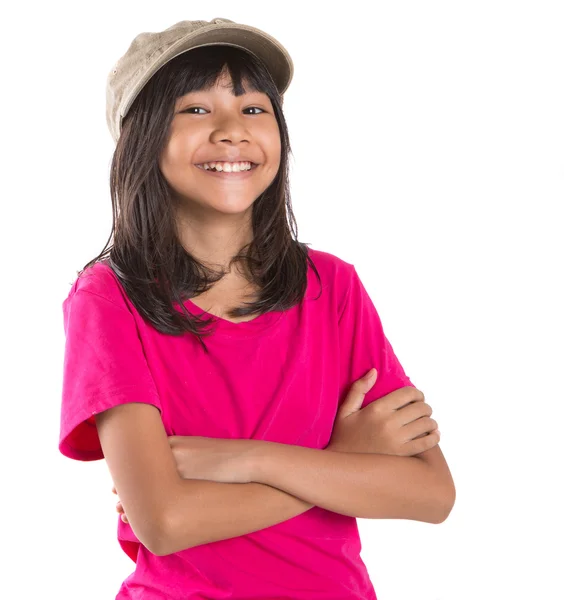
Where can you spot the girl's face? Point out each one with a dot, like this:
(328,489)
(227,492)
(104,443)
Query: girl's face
(214,125)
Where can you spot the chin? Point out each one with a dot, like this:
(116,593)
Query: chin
(233,208)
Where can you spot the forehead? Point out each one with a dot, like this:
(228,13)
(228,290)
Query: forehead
(223,84)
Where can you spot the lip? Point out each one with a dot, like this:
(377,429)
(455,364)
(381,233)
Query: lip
(226,175)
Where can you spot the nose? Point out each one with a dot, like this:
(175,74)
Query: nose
(230,128)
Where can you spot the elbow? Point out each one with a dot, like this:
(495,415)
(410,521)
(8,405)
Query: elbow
(164,541)
(445,503)
(155,538)
(159,550)
(153,532)
(160,540)
(159,544)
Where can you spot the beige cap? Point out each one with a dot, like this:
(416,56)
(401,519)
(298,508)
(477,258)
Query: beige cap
(149,51)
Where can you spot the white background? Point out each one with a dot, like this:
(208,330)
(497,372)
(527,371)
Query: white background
(428,151)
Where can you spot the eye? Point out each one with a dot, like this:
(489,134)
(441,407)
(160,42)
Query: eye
(255,107)
(200,108)
(193,108)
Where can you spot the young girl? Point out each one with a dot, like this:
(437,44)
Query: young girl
(215,362)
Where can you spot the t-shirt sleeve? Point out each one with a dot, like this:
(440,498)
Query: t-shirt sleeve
(363,345)
(104,366)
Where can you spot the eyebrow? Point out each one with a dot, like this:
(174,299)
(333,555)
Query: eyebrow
(247,93)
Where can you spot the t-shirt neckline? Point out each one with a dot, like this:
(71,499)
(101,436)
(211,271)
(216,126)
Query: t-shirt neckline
(229,328)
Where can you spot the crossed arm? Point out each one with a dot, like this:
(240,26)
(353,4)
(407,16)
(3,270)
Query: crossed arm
(289,480)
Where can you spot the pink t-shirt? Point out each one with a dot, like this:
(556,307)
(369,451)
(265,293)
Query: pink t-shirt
(280,377)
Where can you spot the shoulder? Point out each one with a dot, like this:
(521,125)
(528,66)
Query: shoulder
(335,269)
(336,275)
(100,280)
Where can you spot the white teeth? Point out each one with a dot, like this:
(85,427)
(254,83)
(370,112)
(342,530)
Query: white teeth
(226,166)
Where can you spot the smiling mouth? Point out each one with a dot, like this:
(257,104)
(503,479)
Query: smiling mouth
(214,170)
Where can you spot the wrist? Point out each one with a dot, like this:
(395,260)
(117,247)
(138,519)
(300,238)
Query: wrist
(257,460)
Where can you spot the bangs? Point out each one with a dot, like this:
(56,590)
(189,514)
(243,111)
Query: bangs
(200,70)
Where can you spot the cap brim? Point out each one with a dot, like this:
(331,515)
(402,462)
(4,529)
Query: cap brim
(265,47)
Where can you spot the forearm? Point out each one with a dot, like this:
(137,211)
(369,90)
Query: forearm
(371,486)
(208,511)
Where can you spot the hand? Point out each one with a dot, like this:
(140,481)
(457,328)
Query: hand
(119,507)
(396,424)
(213,459)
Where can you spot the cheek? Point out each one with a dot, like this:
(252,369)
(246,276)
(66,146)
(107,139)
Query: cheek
(274,145)
(268,137)
(175,156)
(278,146)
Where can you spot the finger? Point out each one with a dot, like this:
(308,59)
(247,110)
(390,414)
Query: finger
(412,412)
(425,443)
(114,490)
(356,395)
(403,397)
(420,427)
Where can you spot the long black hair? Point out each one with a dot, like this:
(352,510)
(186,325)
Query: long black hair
(153,266)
